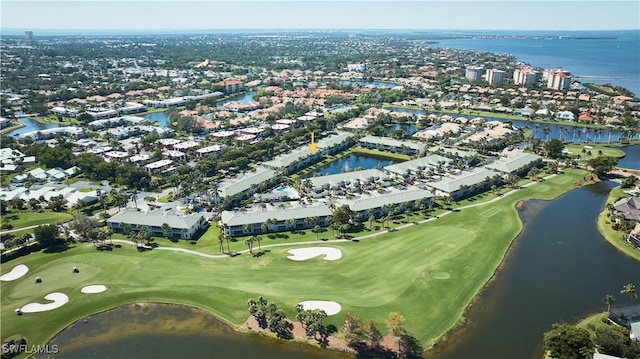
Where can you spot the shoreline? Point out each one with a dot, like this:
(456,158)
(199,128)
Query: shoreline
(612,236)
(461,326)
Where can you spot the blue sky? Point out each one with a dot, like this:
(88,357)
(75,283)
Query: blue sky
(324,14)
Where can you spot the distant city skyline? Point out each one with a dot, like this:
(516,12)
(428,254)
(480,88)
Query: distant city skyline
(147,15)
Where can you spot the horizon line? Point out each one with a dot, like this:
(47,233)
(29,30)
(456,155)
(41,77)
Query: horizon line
(296,29)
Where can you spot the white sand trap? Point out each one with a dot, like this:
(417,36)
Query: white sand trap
(302,254)
(59,299)
(15,273)
(329,307)
(94,288)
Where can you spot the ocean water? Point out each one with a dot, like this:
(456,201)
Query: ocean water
(591,56)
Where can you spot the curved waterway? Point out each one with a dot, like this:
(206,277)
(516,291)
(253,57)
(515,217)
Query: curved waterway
(154,330)
(557,270)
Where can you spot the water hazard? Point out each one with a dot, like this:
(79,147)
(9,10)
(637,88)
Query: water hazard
(558,270)
(170,331)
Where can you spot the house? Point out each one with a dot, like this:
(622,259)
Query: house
(565,115)
(628,207)
(628,317)
(178,225)
(586,118)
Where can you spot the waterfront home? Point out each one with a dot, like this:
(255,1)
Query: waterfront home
(265,218)
(48,133)
(391,145)
(565,115)
(434,162)
(159,166)
(628,207)
(165,223)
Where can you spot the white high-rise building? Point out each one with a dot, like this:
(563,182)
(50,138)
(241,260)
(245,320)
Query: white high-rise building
(494,76)
(526,76)
(559,80)
(473,73)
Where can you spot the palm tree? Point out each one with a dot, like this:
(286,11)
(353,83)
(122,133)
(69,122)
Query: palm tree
(609,299)
(257,239)
(166,228)
(290,223)
(316,229)
(249,243)
(134,196)
(629,288)
(247,228)
(221,241)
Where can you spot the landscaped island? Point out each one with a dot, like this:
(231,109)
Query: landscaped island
(399,271)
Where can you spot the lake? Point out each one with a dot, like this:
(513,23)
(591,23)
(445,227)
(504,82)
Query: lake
(352,161)
(558,270)
(170,331)
(30,125)
(631,158)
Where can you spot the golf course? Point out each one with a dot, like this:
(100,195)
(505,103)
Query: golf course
(429,272)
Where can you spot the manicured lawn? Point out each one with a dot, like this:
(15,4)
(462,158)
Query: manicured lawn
(26,219)
(427,272)
(576,149)
(615,238)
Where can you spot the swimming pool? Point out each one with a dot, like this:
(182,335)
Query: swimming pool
(289,191)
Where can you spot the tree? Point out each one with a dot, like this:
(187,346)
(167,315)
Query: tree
(134,196)
(568,341)
(353,331)
(342,214)
(601,165)
(316,229)
(372,334)
(630,289)
(553,148)
(249,243)
(371,221)
(395,324)
(609,299)
(48,235)
(84,225)
(166,229)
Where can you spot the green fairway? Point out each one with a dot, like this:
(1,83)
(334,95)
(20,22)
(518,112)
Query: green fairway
(428,272)
(26,219)
(596,150)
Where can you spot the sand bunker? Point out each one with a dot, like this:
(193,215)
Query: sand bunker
(329,307)
(59,299)
(94,288)
(302,254)
(17,272)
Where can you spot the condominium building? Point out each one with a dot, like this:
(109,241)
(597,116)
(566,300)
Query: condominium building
(473,73)
(495,76)
(559,80)
(526,76)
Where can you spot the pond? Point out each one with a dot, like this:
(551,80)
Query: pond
(154,330)
(30,125)
(160,117)
(353,162)
(631,158)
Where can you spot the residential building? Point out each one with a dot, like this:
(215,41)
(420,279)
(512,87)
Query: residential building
(559,80)
(379,204)
(565,115)
(178,225)
(495,76)
(517,163)
(391,145)
(526,76)
(231,85)
(247,183)
(266,218)
(466,183)
(473,73)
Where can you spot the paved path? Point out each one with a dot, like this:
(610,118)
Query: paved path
(21,228)
(379,233)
